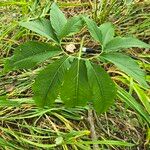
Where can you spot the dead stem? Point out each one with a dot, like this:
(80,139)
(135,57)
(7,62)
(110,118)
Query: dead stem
(92,128)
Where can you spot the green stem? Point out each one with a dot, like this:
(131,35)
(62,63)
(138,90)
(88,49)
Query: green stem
(81,46)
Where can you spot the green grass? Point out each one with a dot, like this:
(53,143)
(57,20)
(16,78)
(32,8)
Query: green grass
(26,126)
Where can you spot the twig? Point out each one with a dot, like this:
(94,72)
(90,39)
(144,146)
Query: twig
(92,128)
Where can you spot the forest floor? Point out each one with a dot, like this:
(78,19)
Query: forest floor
(23,126)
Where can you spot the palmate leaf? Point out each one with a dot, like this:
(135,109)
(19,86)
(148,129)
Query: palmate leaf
(30,54)
(75,90)
(93,29)
(103,88)
(41,26)
(118,43)
(127,65)
(73,25)
(107,31)
(57,18)
(48,82)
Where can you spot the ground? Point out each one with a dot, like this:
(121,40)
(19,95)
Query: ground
(24,126)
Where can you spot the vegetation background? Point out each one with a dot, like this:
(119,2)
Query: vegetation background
(24,126)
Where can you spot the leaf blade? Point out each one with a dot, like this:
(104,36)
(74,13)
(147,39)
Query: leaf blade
(57,18)
(48,82)
(107,31)
(72,26)
(93,29)
(75,90)
(103,88)
(41,26)
(127,65)
(124,42)
(30,54)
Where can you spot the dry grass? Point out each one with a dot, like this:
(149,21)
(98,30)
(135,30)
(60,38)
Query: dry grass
(20,126)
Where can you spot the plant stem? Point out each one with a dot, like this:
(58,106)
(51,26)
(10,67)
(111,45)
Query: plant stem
(81,46)
(92,128)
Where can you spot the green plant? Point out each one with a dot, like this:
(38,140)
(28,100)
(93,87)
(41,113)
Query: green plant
(75,79)
(43,129)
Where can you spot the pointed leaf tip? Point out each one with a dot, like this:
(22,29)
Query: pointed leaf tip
(57,18)
(107,30)
(93,29)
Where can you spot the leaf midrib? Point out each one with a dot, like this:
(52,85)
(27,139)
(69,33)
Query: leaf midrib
(95,30)
(104,42)
(53,80)
(136,73)
(77,83)
(120,64)
(35,55)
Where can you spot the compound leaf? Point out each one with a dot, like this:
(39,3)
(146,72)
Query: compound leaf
(103,88)
(73,25)
(107,31)
(75,90)
(58,19)
(118,43)
(127,65)
(30,54)
(41,26)
(93,29)
(48,82)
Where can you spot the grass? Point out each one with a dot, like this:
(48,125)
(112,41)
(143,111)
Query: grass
(24,126)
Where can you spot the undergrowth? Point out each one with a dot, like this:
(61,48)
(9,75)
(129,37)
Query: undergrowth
(24,126)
